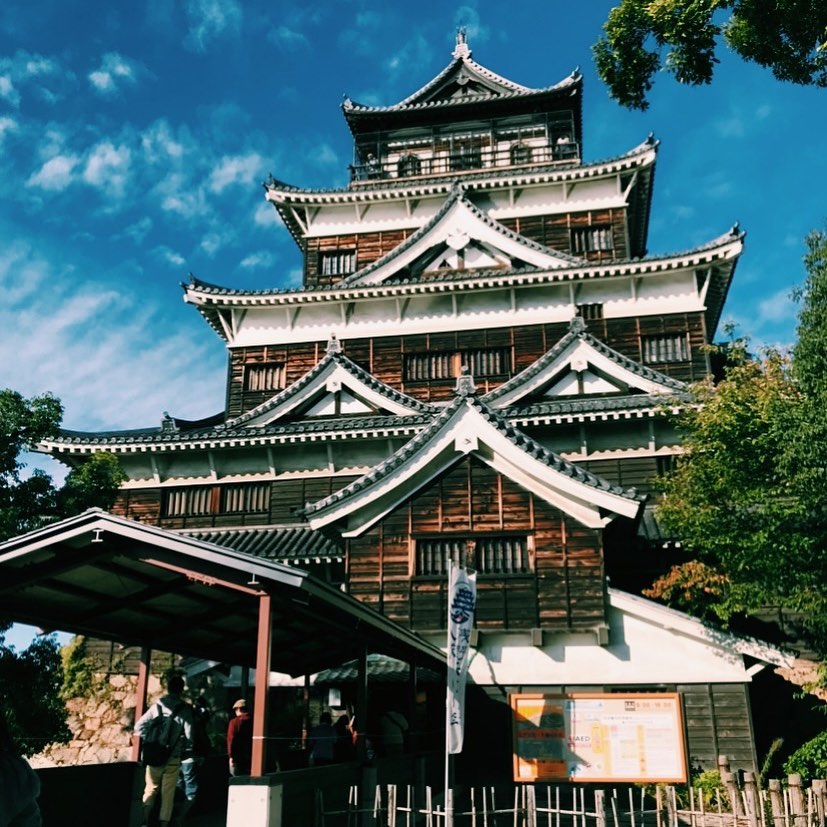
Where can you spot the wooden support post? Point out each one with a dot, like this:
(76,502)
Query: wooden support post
(599,808)
(751,804)
(776,802)
(141,689)
(819,787)
(265,622)
(796,797)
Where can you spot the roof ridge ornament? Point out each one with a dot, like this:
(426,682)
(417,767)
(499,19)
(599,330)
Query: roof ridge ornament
(577,324)
(465,383)
(168,424)
(461,50)
(333,345)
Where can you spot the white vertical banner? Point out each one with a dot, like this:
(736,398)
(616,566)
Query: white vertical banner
(462,600)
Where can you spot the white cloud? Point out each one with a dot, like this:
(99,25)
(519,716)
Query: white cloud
(76,331)
(210,19)
(114,72)
(139,230)
(107,167)
(56,174)
(8,92)
(6,125)
(469,18)
(778,307)
(212,242)
(324,156)
(164,253)
(236,169)
(265,215)
(258,260)
(160,145)
(288,39)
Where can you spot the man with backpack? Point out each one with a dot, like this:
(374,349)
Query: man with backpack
(165,730)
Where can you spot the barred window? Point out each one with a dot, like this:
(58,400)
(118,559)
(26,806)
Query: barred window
(267,376)
(481,362)
(666,348)
(496,554)
(337,262)
(591,239)
(199,500)
(591,311)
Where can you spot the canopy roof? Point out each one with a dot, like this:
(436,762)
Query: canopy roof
(116,579)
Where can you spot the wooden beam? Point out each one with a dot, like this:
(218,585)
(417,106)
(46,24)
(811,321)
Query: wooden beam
(265,622)
(140,697)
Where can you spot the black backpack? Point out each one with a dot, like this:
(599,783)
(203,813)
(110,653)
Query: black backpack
(160,735)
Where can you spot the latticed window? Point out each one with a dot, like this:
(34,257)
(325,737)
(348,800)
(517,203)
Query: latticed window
(245,498)
(591,311)
(591,239)
(337,262)
(666,348)
(200,500)
(481,362)
(495,554)
(267,376)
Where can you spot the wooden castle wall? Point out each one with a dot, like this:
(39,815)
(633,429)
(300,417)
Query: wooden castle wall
(564,588)
(384,357)
(553,231)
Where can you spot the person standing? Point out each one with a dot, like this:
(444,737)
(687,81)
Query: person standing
(19,785)
(322,741)
(240,739)
(191,764)
(163,779)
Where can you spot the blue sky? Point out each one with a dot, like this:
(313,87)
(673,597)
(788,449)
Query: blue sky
(134,138)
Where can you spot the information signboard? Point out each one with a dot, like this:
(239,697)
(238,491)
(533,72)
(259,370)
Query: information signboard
(584,737)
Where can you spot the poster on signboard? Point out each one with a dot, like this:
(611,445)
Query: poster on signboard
(634,737)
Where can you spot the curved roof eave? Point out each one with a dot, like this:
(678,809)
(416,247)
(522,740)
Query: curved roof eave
(205,295)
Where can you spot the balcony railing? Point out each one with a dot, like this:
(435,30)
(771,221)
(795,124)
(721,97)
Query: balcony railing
(461,159)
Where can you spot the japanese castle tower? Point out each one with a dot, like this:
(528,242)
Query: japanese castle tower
(475,368)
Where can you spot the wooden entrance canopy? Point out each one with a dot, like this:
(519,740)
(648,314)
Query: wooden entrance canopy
(108,577)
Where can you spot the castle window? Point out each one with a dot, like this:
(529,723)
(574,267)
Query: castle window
(267,376)
(408,165)
(200,500)
(520,154)
(597,238)
(481,362)
(466,155)
(337,262)
(665,348)
(496,555)
(591,311)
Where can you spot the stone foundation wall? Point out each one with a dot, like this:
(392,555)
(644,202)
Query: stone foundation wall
(101,726)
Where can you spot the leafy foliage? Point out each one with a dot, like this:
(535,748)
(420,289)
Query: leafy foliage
(27,503)
(30,684)
(810,759)
(749,495)
(31,680)
(787,36)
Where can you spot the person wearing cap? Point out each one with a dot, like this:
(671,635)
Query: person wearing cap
(240,739)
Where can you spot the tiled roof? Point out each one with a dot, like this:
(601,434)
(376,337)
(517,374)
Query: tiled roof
(577,330)
(458,194)
(592,268)
(381,669)
(296,544)
(517,437)
(339,358)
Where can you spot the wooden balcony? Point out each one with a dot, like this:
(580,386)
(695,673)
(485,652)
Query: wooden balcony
(461,158)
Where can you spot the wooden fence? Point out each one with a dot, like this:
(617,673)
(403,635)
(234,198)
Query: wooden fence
(738,802)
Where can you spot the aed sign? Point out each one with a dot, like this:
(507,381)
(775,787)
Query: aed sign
(634,737)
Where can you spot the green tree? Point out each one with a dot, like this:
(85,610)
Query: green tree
(748,495)
(789,37)
(31,680)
